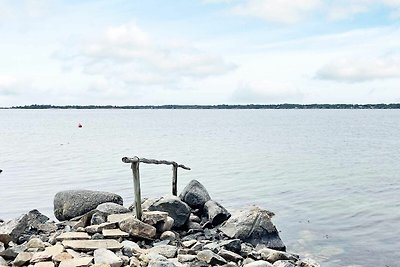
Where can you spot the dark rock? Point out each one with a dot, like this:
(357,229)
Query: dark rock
(210,257)
(255,227)
(177,209)
(195,194)
(11,252)
(193,225)
(198,264)
(111,208)
(229,255)
(233,245)
(216,213)
(98,218)
(21,229)
(72,203)
(97,236)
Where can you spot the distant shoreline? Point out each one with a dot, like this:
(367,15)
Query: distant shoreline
(221,106)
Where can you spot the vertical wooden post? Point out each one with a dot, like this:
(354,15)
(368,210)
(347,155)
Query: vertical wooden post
(136,185)
(174,179)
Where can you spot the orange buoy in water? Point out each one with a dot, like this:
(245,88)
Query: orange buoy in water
(80,125)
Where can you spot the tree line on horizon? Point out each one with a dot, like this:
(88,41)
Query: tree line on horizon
(221,106)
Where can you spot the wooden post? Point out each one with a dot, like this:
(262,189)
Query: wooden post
(136,185)
(174,179)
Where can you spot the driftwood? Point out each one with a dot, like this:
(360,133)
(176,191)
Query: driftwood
(136,177)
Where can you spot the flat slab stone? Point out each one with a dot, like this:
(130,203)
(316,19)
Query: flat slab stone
(114,233)
(72,236)
(44,264)
(115,218)
(76,262)
(87,245)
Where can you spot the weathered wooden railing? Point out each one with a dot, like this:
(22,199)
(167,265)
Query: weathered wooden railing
(136,177)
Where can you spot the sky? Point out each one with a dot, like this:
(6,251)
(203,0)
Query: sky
(135,52)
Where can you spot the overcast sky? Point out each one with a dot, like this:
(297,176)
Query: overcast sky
(126,52)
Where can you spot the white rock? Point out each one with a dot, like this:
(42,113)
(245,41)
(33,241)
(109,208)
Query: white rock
(106,256)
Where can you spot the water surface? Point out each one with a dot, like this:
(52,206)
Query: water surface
(331,176)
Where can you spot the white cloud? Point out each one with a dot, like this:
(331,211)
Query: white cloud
(352,69)
(289,12)
(130,55)
(281,11)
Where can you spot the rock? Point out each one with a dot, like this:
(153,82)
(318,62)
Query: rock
(3,262)
(72,203)
(130,248)
(166,225)
(189,243)
(168,235)
(40,256)
(72,236)
(284,263)
(177,209)
(194,218)
(63,256)
(22,258)
(87,245)
(2,248)
(105,256)
(233,245)
(255,227)
(154,217)
(159,263)
(186,258)
(134,262)
(77,262)
(54,250)
(115,218)
(11,252)
(167,251)
(216,213)
(44,264)
(308,262)
(111,208)
(210,257)
(114,233)
(21,229)
(193,225)
(98,228)
(259,263)
(195,194)
(98,218)
(272,255)
(101,265)
(97,236)
(214,247)
(229,255)
(36,243)
(136,228)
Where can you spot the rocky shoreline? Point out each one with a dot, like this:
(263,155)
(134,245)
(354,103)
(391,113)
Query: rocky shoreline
(95,229)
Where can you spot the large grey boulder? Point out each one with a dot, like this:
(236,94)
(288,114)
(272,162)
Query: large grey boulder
(21,229)
(195,194)
(73,203)
(176,209)
(255,227)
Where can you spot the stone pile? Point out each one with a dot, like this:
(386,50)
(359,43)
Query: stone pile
(189,230)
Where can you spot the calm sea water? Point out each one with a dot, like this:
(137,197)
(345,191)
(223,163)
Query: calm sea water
(331,176)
